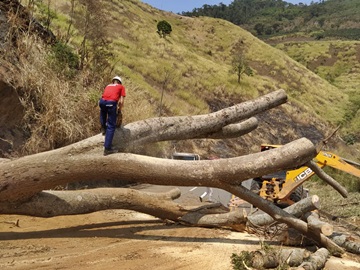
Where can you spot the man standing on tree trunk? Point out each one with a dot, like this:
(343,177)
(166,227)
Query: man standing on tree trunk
(111,104)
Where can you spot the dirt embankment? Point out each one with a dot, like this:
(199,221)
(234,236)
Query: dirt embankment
(12,135)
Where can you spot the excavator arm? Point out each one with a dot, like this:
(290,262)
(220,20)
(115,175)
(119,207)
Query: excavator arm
(280,189)
(334,161)
(297,177)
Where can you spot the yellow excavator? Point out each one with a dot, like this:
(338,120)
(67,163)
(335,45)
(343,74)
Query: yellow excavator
(285,188)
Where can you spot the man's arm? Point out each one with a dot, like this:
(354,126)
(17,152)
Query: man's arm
(121,103)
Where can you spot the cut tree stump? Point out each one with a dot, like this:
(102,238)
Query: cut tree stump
(297,209)
(316,261)
(318,226)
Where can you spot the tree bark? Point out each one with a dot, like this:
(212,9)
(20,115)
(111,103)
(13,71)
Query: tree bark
(327,178)
(318,226)
(316,261)
(24,177)
(198,126)
(347,243)
(21,179)
(235,130)
(297,209)
(273,258)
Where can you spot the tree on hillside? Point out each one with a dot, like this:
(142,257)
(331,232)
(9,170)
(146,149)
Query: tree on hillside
(239,66)
(94,48)
(70,32)
(46,14)
(164,28)
(259,28)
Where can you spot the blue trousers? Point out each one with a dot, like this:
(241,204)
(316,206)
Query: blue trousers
(108,115)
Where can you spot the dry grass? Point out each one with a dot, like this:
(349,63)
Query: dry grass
(332,202)
(335,61)
(57,111)
(199,51)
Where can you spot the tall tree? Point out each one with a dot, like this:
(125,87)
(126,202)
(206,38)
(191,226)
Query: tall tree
(92,24)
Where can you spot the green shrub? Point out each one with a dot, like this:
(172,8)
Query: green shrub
(65,60)
(238,261)
(352,33)
(164,28)
(318,35)
(350,139)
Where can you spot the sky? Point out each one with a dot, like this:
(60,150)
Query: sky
(177,6)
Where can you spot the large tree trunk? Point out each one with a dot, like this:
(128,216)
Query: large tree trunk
(21,179)
(24,177)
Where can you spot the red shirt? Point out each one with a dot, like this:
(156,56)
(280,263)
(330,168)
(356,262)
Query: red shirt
(113,92)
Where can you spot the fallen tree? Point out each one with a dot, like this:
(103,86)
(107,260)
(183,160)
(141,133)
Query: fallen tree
(23,180)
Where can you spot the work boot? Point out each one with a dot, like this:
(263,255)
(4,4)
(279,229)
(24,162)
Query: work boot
(110,151)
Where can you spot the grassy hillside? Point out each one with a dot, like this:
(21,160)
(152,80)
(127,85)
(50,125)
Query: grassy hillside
(191,69)
(339,63)
(197,57)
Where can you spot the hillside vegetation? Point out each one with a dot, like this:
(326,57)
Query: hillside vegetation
(339,63)
(325,18)
(185,73)
(320,36)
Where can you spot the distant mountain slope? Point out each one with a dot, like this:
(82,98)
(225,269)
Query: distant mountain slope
(339,63)
(268,17)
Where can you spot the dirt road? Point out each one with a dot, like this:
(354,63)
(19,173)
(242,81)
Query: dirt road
(121,239)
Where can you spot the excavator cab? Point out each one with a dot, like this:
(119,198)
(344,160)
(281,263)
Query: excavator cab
(270,185)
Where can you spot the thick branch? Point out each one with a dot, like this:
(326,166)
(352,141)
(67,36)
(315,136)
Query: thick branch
(346,242)
(316,261)
(297,209)
(318,226)
(272,258)
(230,219)
(235,130)
(327,178)
(57,203)
(198,126)
(24,177)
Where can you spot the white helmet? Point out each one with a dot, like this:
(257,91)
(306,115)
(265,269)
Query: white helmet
(117,78)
